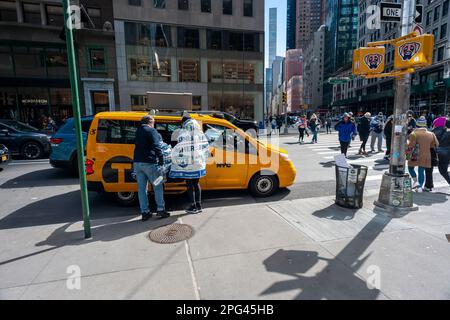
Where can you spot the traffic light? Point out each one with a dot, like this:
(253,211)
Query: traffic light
(368,60)
(414,52)
(284,97)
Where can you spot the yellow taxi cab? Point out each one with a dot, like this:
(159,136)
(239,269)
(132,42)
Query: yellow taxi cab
(237,161)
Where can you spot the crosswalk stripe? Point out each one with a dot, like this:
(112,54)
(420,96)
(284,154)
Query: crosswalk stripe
(329,152)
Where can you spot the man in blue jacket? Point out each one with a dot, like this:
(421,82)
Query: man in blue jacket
(148,162)
(347,132)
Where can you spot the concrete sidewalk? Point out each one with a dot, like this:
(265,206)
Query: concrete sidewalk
(301,249)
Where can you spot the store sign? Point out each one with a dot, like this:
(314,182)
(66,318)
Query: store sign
(35,101)
(439,83)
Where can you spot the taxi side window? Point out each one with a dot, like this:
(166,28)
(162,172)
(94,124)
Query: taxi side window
(228,139)
(116,131)
(168,131)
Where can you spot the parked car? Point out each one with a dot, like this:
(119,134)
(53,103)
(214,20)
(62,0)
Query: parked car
(245,125)
(5,157)
(24,140)
(64,145)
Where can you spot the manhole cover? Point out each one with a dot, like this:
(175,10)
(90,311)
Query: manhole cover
(171,233)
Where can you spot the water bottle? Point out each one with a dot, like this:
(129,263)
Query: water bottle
(158,181)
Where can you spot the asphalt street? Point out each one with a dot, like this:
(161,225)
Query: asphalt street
(37,185)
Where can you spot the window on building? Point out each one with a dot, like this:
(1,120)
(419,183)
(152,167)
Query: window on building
(138,101)
(440,54)
(428,20)
(54,15)
(6,63)
(443,31)
(197,102)
(32,13)
(206,6)
(160,4)
(248,8)
(435,33)
(8,11)
(228,7)
(96,16)
(189,70)
(56,62)
(183,4)
(214,40)
(436,13)
(233,40)
(96,59)
(188,38)
(445,8)
(251,42)
(134,2)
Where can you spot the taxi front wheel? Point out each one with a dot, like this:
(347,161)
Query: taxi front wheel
(126,199)
(263,185)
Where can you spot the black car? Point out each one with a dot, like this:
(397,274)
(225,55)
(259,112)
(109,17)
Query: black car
(245,125)
(24,140)
(5,157)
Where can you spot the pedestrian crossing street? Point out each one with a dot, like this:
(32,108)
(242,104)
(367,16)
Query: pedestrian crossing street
(328,146)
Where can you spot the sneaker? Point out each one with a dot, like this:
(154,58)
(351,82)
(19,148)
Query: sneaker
(427,189)
(199,208)
(146,216)
(415,185)
(162,214)
(191,210)
(419,190)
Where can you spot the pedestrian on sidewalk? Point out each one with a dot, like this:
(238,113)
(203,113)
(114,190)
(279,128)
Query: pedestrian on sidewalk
(441,130)
(347,131)
(189,161)
(273,124)
(364,132)
(313,126)
(376,132)
(388,136)
(148,161)
(411,121)
(301,125)
(420,142)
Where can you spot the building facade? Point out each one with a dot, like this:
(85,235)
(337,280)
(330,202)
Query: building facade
(313,62)
(291,24)
(430,86)
(308,21)
(341,38)
(34,79)
(212,49)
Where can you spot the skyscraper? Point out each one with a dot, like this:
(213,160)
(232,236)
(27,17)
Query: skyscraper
(308,16)
(291,18)
(272,34)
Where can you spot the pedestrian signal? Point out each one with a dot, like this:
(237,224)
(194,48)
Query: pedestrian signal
(414,52)
(368,60)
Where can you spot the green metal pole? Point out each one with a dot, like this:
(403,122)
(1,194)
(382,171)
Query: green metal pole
(77,118)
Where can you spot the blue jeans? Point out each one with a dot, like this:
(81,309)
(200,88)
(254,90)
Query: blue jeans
(145,173)
(413,174)
(314,133)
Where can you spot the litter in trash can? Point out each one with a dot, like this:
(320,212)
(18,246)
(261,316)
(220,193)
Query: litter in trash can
(350,180)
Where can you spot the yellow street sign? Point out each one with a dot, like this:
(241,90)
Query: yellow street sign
(414,52)
(368,60)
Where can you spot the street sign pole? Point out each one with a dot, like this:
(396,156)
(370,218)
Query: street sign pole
(396,188)
(76,115)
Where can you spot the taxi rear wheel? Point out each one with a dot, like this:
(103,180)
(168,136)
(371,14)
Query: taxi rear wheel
(126,199)
(263,185)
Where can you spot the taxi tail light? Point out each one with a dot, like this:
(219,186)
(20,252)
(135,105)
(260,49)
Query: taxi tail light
(89,167)
(56,140)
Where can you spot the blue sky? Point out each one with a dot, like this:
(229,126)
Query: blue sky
(281,24)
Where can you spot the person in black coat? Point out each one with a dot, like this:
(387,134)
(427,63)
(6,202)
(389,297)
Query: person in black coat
(443,135)
(388,136)
(364,132)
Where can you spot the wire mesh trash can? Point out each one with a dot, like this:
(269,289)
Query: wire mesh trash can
(350,185)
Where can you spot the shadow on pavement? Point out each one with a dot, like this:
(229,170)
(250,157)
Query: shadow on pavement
(429,198)
(334,212)
(41,178)
(338,279)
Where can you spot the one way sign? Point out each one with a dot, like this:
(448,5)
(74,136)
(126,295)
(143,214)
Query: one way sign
(418,18)
(392,12)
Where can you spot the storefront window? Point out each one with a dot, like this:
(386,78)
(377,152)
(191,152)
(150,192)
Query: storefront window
(239,104)
(8,105)
(145,64)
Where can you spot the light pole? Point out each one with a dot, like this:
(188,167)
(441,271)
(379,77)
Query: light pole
(396,189)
